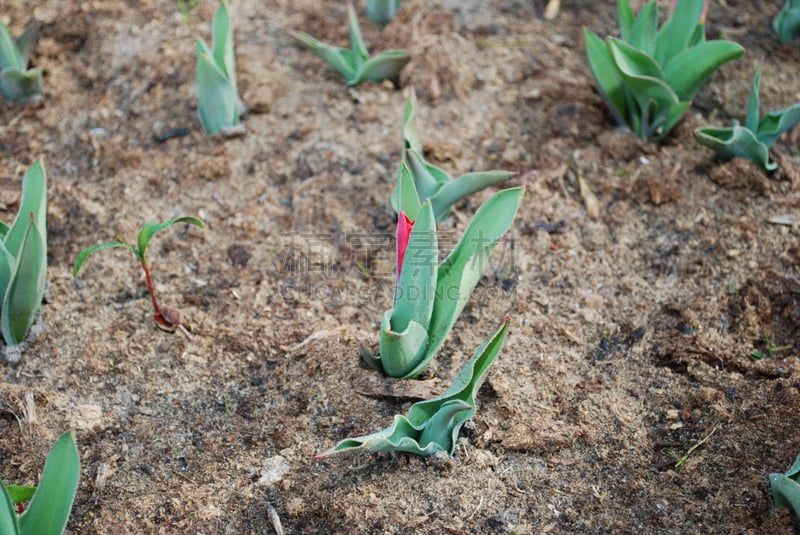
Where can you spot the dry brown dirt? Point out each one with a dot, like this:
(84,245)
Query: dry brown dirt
(635,305)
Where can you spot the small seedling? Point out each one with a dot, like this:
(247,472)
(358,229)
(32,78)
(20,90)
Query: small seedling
(787,21)
(650,76)
(17,82)
(786,487)
(752,140)
(769,349)
(167,319)
(429,296)
(432,182)
(382,11)
(433,425)
(354,64)
(50,502)
(219,107)
(23,257)
(185,8)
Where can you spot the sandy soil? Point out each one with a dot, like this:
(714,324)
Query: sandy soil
(635,305)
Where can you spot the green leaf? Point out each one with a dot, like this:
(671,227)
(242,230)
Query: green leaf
(787,21)
(677,32)
(405,197)
(411,139)
(606,75)
(26,287)
(8,515)
(401,351)
(427,177)
(10,55)
(688,70)
(382,11)
(644,30)
(785,489)
(48,512)
(775,123)
(34,199)
(18,85)
(86,253)
(753,102)
(342,60)
(433,425)
(222,43)
(20,493)
(357,45)
(416,284)
(27,41)
(218,102)
(458,188)
(6,264)
(385,65)
(736,142)
(149,229)
(625,18)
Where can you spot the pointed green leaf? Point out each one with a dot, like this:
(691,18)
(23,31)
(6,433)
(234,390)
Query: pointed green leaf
(222,43)
(86,253)
(787,21)
(433,425)
(383,66)
(785,491)
(625,18)
(8,515)
(26,286)
(340,59)
(644,30)
(753,102)
(10,55)
(48,512)
(149,229)
(20,493)
(410,129)
(416,284)
(405,197)
(735,142)
(676,33)
(606,75)
(401,351)
(34,199)
(427,177)
(218,103)
(775,123)
(360,53)
(458,188)
(6,265)
(27,41)
(382,11)
(690,69)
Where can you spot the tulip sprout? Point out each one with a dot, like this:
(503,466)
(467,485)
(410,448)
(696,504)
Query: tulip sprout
(355,64)
(166,318)
(382,11)
(17,82)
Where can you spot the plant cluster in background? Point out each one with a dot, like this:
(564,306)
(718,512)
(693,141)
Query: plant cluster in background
(355,63)
(650,76)
(51,501)
(382,11)
(753,139)
(787,21)
(17,82)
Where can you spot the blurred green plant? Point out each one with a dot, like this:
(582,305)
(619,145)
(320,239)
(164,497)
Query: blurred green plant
(753,139)
(50,502)
(429,296)
(185,7)
(786,487)
(166,318)
(432,182)
(433,425)
(355,64)
(23,257)
(17,82)
(382,11)
(787,21)
(650,76)
(219,104)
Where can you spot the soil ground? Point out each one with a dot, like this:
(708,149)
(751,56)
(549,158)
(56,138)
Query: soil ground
(636,301)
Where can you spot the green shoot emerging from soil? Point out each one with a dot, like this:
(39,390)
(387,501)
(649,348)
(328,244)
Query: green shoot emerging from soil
(354,64)
(433,425)
(50,502)
(17,82)
(786,487)
(650,76)
(752,140)
(167,319)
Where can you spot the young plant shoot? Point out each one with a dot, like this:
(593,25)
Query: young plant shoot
(219,107)
(428,298)
(650,76)
(786,487)
(382,11)
(354,64)
(50,502)
(787,21)
(166,318)
(433,425)
(752,140)
(431,182)
(17,82)
(23,257)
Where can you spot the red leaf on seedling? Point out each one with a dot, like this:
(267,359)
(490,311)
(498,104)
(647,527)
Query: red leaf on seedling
(404,226)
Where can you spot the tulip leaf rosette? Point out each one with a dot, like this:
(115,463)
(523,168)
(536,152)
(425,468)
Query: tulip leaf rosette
(753,139)
(433,425)
(355,63)
(429,296)
(432,182)
(650,76)
(17,82)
